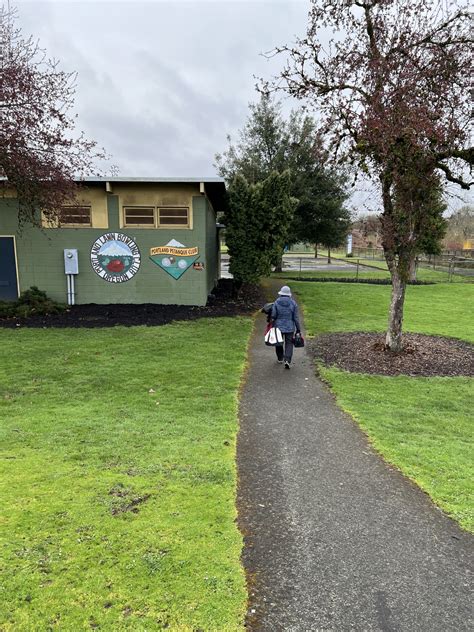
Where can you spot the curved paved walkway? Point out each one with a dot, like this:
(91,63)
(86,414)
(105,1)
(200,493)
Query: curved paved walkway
(335,539)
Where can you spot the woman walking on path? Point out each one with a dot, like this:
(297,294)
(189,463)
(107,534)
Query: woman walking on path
(285,317)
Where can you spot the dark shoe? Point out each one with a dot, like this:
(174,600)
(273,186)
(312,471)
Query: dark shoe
(287,364)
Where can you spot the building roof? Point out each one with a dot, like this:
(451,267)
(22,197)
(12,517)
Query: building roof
(151,180)
(215,187)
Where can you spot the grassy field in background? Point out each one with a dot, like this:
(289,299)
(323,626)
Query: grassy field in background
(420,425)
(441,309)
(118,503)
(424,272)
(332,274)
(377,270)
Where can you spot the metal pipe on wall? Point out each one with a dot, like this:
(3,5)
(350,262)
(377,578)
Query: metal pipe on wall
(68,277)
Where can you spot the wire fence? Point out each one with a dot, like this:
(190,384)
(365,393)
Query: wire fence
(377,254)
(444,268)
(456,268)
(441,269)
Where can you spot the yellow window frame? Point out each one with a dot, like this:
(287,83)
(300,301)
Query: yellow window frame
(138,225)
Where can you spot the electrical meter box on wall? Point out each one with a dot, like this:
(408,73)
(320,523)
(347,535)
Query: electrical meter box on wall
(71,263)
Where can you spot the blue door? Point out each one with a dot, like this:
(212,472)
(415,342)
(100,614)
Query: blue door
(8,280)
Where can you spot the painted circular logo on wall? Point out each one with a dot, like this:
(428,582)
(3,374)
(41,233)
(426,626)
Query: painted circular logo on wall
(115,257)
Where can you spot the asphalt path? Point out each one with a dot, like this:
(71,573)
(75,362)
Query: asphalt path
(303,264)
(335,539)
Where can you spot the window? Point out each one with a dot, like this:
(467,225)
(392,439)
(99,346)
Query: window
(75,216)
(177,217)
(161,217)
(139,216)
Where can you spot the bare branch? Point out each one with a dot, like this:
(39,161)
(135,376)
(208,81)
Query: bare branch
(452,178)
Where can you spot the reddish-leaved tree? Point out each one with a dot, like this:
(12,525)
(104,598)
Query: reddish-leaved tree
(41,154)
(392,90)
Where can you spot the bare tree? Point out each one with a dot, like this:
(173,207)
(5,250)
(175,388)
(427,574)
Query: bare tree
(41,153)
(392,89)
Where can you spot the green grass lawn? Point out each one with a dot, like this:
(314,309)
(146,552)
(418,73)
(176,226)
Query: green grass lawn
(377,270)
(118,504)
(444,309)
(421,425)
(333,274)
(424,273)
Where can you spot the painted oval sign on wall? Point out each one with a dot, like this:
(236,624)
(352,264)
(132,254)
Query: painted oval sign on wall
(115,257)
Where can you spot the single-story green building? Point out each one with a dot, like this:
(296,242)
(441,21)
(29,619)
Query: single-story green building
(124,240)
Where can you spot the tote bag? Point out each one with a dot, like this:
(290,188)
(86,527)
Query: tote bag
(273,337)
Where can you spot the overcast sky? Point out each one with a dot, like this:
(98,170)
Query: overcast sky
(162,83)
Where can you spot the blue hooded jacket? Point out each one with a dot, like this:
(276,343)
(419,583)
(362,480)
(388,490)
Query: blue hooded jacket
(285,314)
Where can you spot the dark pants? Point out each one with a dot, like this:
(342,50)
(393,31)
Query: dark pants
(285,351)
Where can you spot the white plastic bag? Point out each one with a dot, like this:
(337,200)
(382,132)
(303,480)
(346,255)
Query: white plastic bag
(273,337)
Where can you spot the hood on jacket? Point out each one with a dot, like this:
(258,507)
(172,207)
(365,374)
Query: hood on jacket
(284,301)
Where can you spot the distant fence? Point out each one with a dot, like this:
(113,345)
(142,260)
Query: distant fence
(460,266)
(448,268)
(377,254)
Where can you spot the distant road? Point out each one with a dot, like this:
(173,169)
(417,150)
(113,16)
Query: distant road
(293,262)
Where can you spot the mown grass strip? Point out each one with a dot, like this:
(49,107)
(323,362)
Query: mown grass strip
(328,274)
(377,270)
(421,425)
(118,477)
(425,272)
(441,309)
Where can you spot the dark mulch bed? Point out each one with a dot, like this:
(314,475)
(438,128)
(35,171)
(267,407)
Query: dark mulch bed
(422,355)
(354,280)
(221,303)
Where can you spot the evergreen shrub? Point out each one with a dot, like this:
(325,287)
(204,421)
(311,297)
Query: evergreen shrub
(32,301)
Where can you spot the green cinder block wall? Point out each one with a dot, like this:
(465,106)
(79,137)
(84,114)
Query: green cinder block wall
(40,259)
(212,263)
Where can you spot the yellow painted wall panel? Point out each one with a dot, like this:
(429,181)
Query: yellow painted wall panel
(94,197)
(155,194)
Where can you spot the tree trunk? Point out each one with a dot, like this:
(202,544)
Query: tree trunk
(315,251)
(413,269)
(329,255)
(398,267)
(393,338)
(279,264)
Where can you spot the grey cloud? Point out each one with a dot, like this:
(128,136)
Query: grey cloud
(162,84)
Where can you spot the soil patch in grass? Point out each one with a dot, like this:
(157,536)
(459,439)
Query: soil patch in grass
(422,355)
(125,500)
(222,302)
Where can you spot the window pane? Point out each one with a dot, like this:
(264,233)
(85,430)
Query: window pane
(174,221)
(173,216)
(140,215)
(76,215)
(173,212)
